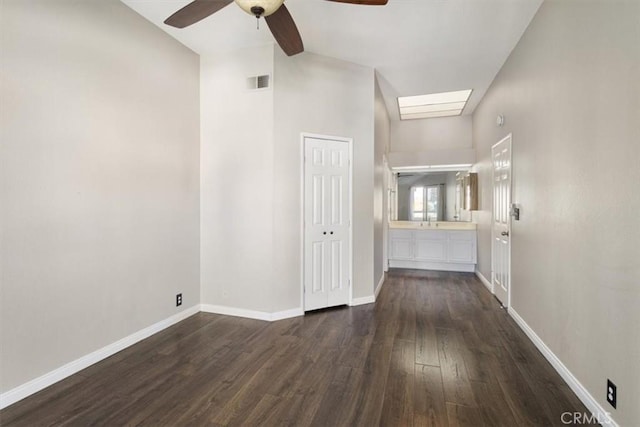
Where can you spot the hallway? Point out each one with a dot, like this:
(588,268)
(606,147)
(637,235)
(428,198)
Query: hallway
(435,349)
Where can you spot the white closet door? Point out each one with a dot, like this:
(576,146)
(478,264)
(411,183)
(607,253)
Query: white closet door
(326,219)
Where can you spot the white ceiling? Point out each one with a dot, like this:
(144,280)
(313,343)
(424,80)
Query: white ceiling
(416,46)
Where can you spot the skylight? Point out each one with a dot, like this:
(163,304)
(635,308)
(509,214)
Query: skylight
(442,104)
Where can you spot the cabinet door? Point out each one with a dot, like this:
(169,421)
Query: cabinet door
(462,247)
(401,247)
(431,246)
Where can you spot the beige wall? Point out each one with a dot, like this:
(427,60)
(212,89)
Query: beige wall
(99,194)
(380,185)
(570,93)
(237,172)
(321,95)
(446,133)
(250,257)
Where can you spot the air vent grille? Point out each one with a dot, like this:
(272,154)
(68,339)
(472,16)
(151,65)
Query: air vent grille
(258,82)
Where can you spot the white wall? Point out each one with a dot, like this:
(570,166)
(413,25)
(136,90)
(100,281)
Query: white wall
(251,171)
(438,141)
(380,199)
(570,94)
(237,173)
(326,96)
(99,190)
(445,133)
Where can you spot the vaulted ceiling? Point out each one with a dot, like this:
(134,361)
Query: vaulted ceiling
(416,46)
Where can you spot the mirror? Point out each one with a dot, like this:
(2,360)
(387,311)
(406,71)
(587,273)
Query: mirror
(429,196)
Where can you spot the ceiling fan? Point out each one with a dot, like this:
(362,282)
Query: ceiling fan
(276,14)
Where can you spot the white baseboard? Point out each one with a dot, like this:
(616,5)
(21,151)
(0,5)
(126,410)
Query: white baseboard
(287,314)
(484,281)
(379,287)
(251,314)
(14,395)
(575,385)
(362,300)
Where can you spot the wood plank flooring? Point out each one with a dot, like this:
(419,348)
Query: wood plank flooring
(435,350)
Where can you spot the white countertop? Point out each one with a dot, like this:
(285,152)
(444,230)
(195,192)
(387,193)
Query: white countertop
(433,225)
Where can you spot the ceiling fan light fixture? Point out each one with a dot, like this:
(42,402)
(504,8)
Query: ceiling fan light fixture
(252,6)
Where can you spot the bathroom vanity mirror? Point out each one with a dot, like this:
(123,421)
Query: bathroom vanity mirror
(432,196)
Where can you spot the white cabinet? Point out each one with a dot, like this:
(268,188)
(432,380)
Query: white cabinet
(448,250)
(430,245)
(401,245)
(462,247)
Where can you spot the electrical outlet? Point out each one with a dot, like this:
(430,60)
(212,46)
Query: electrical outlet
(178,300)
(612,393)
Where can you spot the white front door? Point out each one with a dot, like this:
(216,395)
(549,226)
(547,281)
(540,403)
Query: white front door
(327,249)
(501,228)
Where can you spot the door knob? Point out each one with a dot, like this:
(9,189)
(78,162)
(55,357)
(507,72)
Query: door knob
(505,233)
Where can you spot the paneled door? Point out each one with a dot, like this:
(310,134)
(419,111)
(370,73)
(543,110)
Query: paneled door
(501,228)
(327,207)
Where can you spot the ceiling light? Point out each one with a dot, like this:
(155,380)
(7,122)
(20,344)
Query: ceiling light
(259,7)
(431,115)
(434,98)
(432,108)
(433,105)
(426,168)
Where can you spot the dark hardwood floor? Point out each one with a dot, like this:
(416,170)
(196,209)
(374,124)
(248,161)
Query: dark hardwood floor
(435,349)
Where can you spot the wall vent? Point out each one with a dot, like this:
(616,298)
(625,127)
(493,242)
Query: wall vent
(258,82)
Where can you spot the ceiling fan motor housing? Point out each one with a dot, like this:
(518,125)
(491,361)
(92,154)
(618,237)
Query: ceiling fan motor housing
(257,11)
(259,8)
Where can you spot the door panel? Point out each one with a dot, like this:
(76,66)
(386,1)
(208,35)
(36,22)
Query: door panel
(317,267)
(336,265)
(431,246)
(337,187)
(431,250)
(326,201)
(318,200)
(401,248)
(462,248)
(461,251)
(501,228)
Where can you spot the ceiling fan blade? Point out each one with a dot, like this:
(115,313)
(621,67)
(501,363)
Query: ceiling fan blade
(195,11)
(364,2)
(285,32)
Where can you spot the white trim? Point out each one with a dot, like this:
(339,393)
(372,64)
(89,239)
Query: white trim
(575,385)
(302,223)
(287,314)
(379,287)
(14,395)
(484,281)
(349,141)
(493,183)
(251,314)
(362,300)
(236,312)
